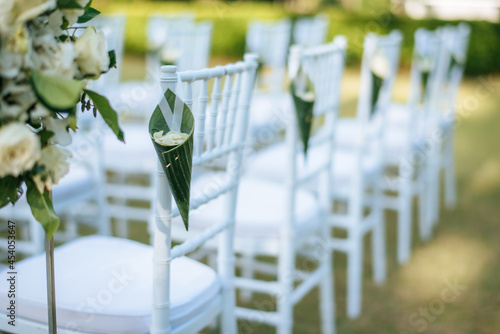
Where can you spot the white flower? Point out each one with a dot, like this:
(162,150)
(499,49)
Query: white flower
(72,15)
(91,53)
(19,149)
(15,100)
(39,112)
(17,12)
(169,56)
(172,138)
(380,66)
(55,161)
(57,59)
(59,128)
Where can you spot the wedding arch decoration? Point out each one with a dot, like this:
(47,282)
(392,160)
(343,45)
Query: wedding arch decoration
(46,65)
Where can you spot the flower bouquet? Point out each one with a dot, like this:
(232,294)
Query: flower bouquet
(45,68)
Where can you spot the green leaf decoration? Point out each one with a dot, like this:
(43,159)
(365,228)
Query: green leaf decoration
(112,59)
(176,160)
(376,86)
(300,88)
(108,114)
(68,4)
(425,80)
(10,190)
(55,92)
(42,208)
(89,14)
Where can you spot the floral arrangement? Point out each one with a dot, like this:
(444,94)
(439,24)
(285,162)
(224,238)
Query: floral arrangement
(46,63)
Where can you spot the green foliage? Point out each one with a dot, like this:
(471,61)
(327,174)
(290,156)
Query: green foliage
(108,114)
(231,19)
(89,14)
(42,208)
(55,92)
(10,190)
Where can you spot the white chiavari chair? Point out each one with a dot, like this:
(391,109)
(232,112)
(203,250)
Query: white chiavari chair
(357,169)
(113,285)
(455,56)
(311,31)
(271,41)
(282,219)
(408,127)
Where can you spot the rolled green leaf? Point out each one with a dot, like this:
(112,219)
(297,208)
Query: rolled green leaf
(376,86)
(176,160)
(304,112)
(425,80)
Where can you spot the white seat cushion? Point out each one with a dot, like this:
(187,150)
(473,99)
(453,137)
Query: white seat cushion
(136,99)
(137,154)
(104,285)
(270,164)
(260,209)
(268,114)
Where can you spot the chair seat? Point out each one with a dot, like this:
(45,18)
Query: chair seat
(271,162)
(134,98)
(260,210)
(138,151)
(104,285)
(268,114)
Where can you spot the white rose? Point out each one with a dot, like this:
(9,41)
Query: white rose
(380,66)
(60,129)
(72,15)
(172,138)
(15,100)
(91,53)
(19,149)
(16,12)
(55,161)
(57,59)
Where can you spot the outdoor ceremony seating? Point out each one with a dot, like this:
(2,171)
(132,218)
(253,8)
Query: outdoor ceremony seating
(356,169)
(138,288)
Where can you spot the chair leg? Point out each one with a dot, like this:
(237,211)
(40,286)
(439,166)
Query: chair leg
(286,272)
(424,226)
(450,190)
(326,288)
(404,221)
(354,275)
(247,271)
(378,237)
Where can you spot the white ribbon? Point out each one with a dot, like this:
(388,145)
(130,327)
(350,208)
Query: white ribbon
(173,118)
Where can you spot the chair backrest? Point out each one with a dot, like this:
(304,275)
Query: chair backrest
(324,66)
(455,47)
(179,41)
(220,132)
(311,31)
(388,47)
(270,40)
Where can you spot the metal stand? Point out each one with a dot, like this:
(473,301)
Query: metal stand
(51,292)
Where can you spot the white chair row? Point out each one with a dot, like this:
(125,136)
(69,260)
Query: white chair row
(286,215)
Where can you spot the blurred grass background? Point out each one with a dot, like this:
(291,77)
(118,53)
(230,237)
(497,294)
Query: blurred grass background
(231,19)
